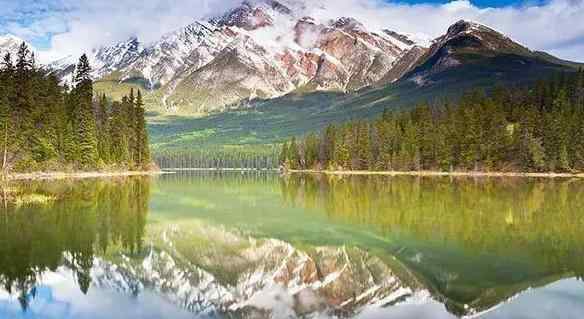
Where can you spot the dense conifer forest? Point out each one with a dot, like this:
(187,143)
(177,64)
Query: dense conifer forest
(536,129)
(46,126)
(248,158)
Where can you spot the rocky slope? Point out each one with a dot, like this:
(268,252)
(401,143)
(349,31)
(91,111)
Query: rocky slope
(269,48)
(266,49)
(259,49)
(475,52)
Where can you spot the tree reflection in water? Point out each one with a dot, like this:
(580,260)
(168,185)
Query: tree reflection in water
(45,225)
(475,241)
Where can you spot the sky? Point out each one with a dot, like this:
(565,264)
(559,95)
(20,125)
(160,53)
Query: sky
(58,28)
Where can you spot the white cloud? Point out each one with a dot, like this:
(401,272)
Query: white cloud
(91,24)
(554,26)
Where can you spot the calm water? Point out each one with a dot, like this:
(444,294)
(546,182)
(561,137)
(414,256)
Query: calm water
(254,245)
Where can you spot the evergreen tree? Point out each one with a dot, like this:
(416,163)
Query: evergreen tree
(23,103)
(84,115)
(141,135)
(119,145)
(6,111)
(293,155)
(283,154)
(102,119)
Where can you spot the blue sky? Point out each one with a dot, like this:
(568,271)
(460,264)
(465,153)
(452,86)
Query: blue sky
(62,27)
(31,12)
(481,3)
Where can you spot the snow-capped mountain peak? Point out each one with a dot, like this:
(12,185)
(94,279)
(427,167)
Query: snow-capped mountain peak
(269,48)
(279,47)
(9,44)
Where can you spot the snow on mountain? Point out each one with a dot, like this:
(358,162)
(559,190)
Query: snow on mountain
(118,56)
(463,38)
(269,48)
(262,48)
(265,279)
(9,44)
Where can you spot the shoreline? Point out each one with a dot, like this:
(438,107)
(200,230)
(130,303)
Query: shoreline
(76,175)
(219,170)
(440,174)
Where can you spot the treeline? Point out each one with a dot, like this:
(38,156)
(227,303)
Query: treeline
(538,128)
(46,126)
(219,159)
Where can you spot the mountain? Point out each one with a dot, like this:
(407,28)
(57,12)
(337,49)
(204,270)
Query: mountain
(268,279)
(473,53)
(9,44)
(267,49)
(468,56)
(260,49)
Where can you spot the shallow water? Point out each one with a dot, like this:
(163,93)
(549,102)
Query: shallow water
(256,245)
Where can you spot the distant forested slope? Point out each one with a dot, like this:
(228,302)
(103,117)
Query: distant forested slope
(535,128)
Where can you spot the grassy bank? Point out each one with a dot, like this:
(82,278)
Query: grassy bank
(438,173)
(77,175)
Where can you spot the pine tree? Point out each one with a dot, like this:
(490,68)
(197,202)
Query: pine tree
(293,154)
(342,157)
(141,135)
(6,111)
(283,158)
(119,143)
(44,125)
(84,115)
(23,103)
(327,145)
(532,130)
(363,153)
(102,119)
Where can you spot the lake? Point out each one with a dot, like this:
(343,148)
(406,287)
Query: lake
(257,245)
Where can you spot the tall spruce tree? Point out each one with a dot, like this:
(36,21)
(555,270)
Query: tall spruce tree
(141,135)
(84,114)
(23,103)
(6,110)
(102,118)
(119,146)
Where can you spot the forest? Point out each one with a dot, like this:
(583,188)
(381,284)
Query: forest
(48,126)
(536,128)
(221,158)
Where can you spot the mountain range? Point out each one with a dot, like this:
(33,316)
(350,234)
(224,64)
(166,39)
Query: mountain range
(263,49)
(280,54)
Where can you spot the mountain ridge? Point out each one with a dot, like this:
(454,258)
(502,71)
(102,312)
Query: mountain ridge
(280,45)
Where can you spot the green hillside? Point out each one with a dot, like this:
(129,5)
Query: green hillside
(272,121)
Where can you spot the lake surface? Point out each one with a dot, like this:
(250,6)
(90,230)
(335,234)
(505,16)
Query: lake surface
(256,245)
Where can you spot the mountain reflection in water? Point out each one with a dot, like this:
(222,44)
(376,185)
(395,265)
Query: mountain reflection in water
(256,245)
